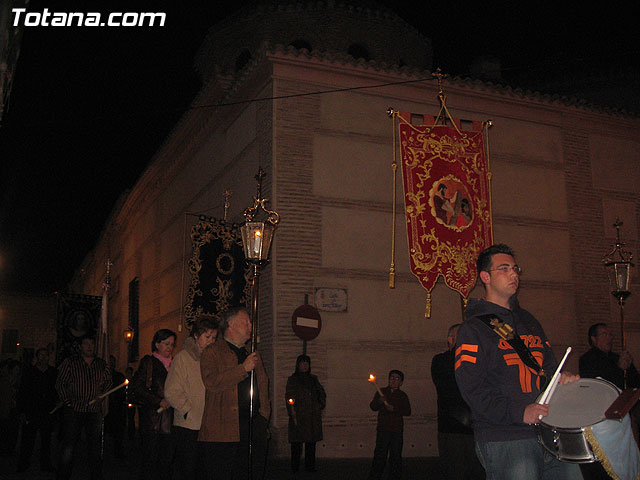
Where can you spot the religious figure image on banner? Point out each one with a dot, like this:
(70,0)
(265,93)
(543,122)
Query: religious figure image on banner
(78,324)
(447,201)
(450,203)
(76,317)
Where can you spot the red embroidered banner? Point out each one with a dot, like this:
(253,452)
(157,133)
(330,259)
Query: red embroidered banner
(447,202)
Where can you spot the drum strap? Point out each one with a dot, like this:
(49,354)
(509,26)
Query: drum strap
(506,332)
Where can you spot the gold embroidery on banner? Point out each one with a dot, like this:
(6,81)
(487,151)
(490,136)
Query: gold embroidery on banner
(446,149)
(459,258)
(223,294)
(220,263)
(203,233)
(464,206)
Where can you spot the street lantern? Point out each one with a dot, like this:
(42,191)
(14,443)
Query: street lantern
(618,264)
(256,240)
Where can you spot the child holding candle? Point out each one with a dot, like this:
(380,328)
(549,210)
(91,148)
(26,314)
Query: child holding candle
(392,406)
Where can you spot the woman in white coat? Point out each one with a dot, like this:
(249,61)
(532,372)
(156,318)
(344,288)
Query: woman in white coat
(185,392)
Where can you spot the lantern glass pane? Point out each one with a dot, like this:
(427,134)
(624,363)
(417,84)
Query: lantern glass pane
(622,277)
(256,240)
(619,276)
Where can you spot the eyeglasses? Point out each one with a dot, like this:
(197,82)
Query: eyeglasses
(506,268)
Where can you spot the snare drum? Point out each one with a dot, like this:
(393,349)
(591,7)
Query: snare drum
(574,407)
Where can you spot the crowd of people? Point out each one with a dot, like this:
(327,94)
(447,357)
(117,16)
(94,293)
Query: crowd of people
(205,412)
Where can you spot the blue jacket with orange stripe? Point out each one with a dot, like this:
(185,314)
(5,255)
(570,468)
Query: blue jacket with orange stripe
(492,379)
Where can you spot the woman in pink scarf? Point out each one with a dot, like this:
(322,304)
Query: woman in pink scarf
(155,413)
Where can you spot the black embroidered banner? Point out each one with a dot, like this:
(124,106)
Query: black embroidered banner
(76,316)
(220,278)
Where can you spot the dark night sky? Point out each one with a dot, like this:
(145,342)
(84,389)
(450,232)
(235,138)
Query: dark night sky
(90,106)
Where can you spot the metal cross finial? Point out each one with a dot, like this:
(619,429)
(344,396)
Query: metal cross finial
(617,225)
(618,253)
(227,195)
(439,75)
(259,203)
(259,176)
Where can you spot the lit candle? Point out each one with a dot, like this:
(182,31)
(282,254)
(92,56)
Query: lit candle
(291,402)
(109,392)
(372,379)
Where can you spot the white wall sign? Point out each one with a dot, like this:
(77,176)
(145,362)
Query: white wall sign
(331,299)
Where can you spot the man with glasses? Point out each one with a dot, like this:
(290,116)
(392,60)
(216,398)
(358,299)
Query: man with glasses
(495,349)
(602,362)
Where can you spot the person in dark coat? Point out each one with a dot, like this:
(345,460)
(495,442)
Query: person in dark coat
(458,460)
(305,399)
(9,421)
(131,406)
(601,361)
(155,412)
(115,420)
(36,398)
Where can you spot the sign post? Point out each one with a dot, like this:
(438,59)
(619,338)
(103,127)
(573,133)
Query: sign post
(306,324)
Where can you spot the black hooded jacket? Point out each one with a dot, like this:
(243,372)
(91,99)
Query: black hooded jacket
(492,379)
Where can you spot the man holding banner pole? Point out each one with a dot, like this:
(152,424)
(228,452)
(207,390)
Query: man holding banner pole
(224,434)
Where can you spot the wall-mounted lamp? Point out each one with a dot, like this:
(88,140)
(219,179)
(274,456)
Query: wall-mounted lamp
(128,334)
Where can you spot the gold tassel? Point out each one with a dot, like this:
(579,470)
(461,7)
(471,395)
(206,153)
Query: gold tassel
(464,301)
(487,125)
(427,312)
(599,452)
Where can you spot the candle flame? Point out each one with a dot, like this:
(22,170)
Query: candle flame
(372,377)
(291,401)
(130,405)
(126,381)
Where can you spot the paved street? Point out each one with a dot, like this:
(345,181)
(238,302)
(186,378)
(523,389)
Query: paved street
(277,468)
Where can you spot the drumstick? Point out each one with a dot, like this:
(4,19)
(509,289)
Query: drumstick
(548,392)
(546,395)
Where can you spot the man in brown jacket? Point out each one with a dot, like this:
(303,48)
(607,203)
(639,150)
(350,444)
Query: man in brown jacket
(224,433)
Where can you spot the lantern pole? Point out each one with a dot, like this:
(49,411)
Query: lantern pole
(256,240)
(618,264)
